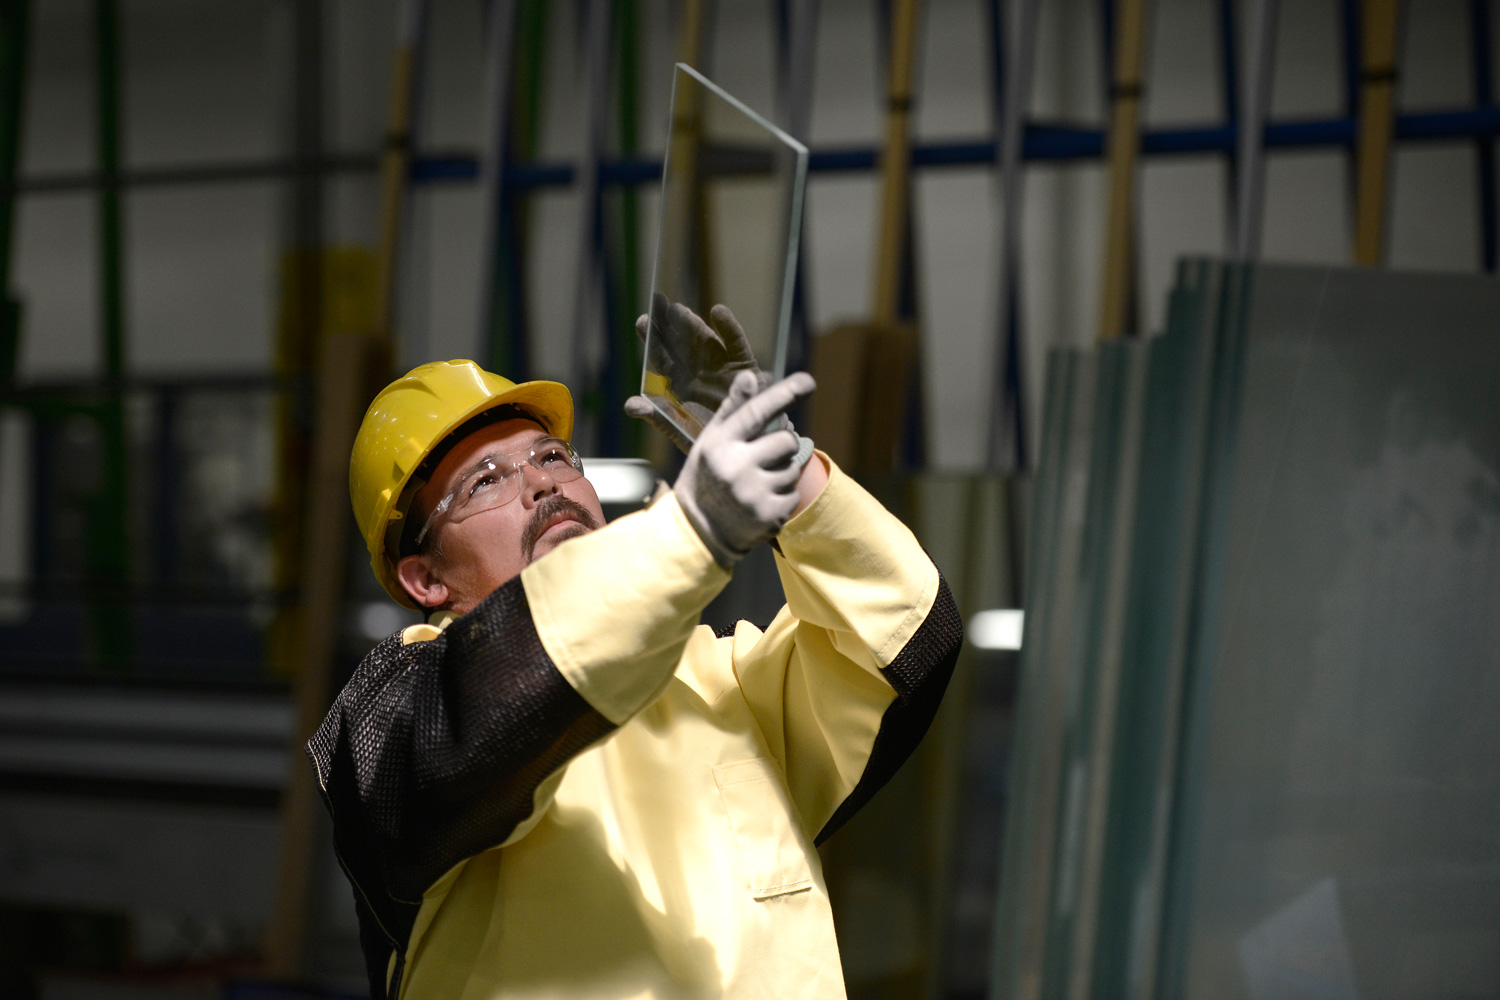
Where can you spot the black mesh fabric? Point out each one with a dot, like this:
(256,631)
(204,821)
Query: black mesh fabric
(920,674)
(432,753)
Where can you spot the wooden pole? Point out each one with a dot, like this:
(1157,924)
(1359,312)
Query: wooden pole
(865,369)
(1376,126)
(1115,316)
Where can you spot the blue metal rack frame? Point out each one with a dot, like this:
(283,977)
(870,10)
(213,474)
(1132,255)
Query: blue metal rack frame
(1044,142)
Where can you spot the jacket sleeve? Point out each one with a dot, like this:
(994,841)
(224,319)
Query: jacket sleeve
(846,680)
(437,750)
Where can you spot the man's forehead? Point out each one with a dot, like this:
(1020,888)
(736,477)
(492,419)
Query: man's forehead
(509,434)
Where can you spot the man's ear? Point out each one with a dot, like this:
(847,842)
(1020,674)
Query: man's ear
(421,582)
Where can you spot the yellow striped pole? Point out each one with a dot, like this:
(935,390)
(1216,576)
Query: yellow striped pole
(1376,127)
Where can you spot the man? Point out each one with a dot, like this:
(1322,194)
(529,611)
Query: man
(562,785)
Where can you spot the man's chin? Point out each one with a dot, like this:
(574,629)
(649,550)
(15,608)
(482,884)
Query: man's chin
(555,536)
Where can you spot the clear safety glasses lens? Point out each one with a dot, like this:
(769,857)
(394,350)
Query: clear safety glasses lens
(496,480)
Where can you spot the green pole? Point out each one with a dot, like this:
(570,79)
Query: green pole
(14,18)
(108,542)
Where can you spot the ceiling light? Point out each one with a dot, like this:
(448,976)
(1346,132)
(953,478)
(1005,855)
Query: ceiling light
(999,628)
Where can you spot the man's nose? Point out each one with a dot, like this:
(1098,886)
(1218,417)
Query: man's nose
(536,484)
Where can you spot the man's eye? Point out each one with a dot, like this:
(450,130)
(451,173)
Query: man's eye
(554,457)
(484,482)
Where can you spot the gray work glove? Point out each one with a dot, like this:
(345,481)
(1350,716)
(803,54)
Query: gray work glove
(739,483)
(699,360)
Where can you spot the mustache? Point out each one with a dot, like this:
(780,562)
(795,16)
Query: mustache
(544,512)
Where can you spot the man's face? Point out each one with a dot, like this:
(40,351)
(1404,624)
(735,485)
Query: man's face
(466,557)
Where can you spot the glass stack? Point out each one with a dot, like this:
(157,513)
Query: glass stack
(1258,737)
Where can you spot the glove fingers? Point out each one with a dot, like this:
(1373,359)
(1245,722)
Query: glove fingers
(747,418)
(697,340)
(774,450)
(643,409)
(736,344)
(671,335)
(741,390)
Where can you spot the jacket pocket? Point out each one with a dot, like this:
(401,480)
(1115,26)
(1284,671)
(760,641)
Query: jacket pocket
(772,848)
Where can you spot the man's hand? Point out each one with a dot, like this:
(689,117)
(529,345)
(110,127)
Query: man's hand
(739,485)
(699,360)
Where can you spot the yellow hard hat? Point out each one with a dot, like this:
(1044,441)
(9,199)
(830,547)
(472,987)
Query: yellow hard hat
(409,420)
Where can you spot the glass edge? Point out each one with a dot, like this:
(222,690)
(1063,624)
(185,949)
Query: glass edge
(789,265)
(740,106)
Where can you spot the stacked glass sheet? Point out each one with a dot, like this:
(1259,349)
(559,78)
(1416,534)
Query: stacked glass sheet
(1258,743)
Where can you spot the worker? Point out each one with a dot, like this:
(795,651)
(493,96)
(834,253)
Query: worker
(561,784)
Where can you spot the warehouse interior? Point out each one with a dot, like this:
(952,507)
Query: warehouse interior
(224,225)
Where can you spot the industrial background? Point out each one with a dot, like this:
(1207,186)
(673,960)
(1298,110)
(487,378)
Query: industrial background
(223,222)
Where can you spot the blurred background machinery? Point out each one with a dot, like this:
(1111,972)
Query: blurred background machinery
(222,223)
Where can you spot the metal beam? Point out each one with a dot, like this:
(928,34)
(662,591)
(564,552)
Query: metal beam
(107,528)
(1015,49)
(1484,147)
(1255,100)
(497,333)
(14,36)
(591,312)
(1043,142)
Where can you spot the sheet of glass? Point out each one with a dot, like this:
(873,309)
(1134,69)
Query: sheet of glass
(1158,588)
(1038,778)
(730,225)
(1341,830)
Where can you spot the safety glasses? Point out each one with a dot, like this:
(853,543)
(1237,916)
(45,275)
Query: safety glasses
(495,480)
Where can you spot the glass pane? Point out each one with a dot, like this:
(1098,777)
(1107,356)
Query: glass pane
(1256,754)
(730,225)
(1344,824)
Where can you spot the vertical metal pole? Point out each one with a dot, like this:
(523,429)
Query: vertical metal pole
(797,51)
(591,309)
(107,80)
(1255,100)
(895,166)
(395,165)
(1484,146)
(1229,83)
(1117,314)
(108,540)
(1349,24)
(1014,49)
(347,362)
(165,487)
(14,25)
(1376,126)
(497,334)
(298,337)
(628,285)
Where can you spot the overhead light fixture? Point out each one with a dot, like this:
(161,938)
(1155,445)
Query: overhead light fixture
(620,480)
(999,628)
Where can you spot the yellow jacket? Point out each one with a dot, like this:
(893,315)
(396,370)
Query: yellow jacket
(576,791)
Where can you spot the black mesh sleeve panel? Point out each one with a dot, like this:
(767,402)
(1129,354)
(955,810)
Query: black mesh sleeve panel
(433,752)
(920,674)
